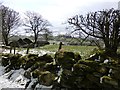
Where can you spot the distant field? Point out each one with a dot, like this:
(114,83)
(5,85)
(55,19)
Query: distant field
(83,50)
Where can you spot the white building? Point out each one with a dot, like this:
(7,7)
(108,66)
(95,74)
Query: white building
(119,5)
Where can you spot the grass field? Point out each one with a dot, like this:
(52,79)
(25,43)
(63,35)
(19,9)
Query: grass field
(83,50)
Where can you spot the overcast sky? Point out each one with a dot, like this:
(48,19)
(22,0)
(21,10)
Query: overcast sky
(57,11)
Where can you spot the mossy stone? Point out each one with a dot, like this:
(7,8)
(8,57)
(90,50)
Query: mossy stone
(65,59)
(109,80)
(5,61)
(67,79)
(93,78)
(115,73)
(36,73)
(77,57)
(51,67)
(46,78)
(27,74)
(32,55)
(82,68)
(45,58)
(89,63)
(15,61)
(103,70)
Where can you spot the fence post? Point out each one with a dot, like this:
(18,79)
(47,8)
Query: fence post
(60,46)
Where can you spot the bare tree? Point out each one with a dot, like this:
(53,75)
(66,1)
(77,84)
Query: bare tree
(104,25)
(10,20)
(35,24)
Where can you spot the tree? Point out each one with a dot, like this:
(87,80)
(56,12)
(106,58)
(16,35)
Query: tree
(35,24)
(104,25)
(10,20)
(47,34)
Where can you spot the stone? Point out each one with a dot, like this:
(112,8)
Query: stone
(110,81)
(45,58)
(27,74)
(36,73)
(5,61)
(46,78)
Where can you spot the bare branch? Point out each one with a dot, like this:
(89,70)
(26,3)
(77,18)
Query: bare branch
(35,23)
(104,25)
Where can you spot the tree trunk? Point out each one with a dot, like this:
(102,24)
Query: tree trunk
(14,49)
(5,37)
(10,49)
(6,41)
(35,41)
(28,47)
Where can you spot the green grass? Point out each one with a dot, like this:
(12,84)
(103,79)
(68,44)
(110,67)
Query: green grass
(83,50)
(52,48)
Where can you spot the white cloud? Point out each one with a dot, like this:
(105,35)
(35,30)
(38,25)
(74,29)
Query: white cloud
(57,11)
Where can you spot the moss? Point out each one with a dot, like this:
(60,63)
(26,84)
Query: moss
(82,68)
(66,63)
(97,74)
(31,60)
(27,74)
(32,55)
(89,63)
(5,61)
(103,70)
(77,57)
(78,81)
(34,66)
(13,61)
(37,65)
(59,54)
(115,73)
(7,54)
(65,59)
(86,84)
(28,65)
(109,80)
(51,67)
(64,54)
(45,58)
(46,78)
(36,73)
(66,72)
(93,78)
(69,54)
(67,79)
(23,61)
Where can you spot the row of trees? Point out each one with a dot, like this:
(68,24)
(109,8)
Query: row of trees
(34,23)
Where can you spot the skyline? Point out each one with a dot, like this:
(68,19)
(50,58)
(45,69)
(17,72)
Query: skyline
(58,11)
